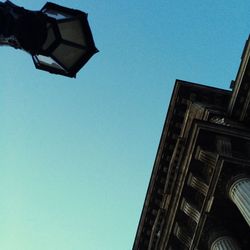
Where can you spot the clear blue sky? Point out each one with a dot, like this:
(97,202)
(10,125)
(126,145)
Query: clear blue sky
(76,154)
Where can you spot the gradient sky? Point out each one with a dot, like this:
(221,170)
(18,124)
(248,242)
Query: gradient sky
(76,154)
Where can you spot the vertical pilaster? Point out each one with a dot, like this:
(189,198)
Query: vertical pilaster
(239,193)
(224,243)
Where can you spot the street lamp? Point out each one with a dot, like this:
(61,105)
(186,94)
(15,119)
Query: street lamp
(59,39)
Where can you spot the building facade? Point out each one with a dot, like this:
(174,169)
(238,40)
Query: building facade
(199,191)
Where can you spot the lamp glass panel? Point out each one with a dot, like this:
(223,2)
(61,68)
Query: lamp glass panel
(50,38)
(57,14)
(48,61)
(72,31)
(68,55)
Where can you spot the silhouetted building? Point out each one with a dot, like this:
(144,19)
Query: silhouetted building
(199,192)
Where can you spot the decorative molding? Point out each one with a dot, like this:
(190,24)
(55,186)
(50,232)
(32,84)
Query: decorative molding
(182,235)
(220,120)
(156,229)
(189,210)
(197,183)
(206,156)
(224,146)
(209,204)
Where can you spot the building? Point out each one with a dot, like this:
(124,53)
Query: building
(199,192)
